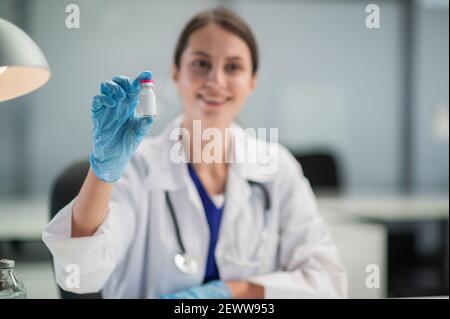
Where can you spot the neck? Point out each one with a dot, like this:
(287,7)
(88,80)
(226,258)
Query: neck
(208,144)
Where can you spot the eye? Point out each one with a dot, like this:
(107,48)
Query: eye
(233,67)
(200,64)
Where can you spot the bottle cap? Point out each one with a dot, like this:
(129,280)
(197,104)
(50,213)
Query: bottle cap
(148,81)
(6,263)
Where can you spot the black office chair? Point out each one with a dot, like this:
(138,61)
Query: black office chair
(64,189)
(322,171)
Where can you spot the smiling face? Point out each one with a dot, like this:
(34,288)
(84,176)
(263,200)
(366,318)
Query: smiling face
(215,76)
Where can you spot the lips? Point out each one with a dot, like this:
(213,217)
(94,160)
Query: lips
(213,100)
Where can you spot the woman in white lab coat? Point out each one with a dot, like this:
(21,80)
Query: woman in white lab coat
(148,225)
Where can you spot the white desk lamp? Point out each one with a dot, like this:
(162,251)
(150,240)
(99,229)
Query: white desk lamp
(23,67)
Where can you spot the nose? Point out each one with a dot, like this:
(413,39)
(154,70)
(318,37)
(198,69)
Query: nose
(216,78)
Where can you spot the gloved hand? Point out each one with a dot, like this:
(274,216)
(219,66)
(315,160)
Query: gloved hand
(215,289)
(118,128)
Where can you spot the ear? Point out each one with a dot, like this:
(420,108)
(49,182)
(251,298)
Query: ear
(254,81)
(174,73)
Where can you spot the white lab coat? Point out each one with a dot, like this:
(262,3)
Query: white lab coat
(131,253)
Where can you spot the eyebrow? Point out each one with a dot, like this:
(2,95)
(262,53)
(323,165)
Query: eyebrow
(201,53)
(236,57)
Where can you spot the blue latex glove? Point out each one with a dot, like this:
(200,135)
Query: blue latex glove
(215,289)
(118,128)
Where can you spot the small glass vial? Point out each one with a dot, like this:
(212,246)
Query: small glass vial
(10,285)
(147,104)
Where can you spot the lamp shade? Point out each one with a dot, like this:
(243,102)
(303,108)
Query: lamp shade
(23,67)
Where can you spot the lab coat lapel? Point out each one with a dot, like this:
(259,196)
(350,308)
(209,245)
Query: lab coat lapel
(237,194)
(180,176)
(167,175)
(188,210)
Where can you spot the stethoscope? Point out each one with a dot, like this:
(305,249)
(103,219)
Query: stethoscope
(188,264)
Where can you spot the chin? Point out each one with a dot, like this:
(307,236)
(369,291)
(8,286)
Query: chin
(210,118)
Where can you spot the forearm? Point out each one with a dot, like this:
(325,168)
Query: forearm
(91,206)
(245,290)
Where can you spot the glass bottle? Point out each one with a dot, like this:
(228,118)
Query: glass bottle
(147,106)
(10,285)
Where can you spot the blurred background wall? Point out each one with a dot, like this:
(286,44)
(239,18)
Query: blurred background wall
(371,96)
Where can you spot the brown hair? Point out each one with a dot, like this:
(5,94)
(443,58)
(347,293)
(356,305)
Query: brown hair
(224,18)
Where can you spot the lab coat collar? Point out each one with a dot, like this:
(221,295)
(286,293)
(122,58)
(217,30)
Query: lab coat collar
(167,175)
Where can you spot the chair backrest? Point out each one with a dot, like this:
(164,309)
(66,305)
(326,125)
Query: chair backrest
(64,189)
(322,171)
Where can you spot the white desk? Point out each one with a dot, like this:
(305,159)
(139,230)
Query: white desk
(359,240)
(387,209)
(38,279)
(23,219)
(359,245)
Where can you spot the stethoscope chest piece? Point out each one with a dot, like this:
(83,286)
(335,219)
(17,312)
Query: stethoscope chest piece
(186,263)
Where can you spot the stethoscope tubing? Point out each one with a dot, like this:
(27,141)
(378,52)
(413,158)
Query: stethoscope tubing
(183,252)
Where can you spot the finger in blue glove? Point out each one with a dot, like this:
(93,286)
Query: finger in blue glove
(215,289)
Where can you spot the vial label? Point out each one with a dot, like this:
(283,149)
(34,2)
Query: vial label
(147,105)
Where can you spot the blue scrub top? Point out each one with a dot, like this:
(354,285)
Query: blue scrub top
(214,216)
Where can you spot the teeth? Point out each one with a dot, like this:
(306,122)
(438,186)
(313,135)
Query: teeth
(207,100)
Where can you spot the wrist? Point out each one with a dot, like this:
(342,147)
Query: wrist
(245,290)
(105,172)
